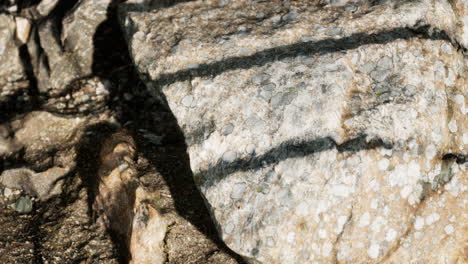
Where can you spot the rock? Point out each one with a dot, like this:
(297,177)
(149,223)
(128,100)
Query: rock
(13,77)
(23,205)
(69,54)
(43,185)
(43,133)
(332,165)
(23,29)
(149,230)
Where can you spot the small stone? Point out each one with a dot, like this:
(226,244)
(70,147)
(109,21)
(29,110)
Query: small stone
(374,251)
(379,75)
(250,149)
(419,223)
(453,126)
(187,101)
(364,220)
(23,28)
(193,66)
(334,32)
(229,156)
(338,2)
(101,89)
(291,16)
(23,205)
(383,164)
(7,192)
(322,233)
(326,249)
(238,190)
(385,63)
(368,67)
(449,229)
(391,235)
(351,8)
(446,48)
(227,129)
(260,78)
(127,96)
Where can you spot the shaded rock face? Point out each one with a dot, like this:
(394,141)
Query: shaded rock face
(331,133)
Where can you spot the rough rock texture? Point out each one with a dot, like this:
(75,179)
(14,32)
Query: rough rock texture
(326,133)
(71,191)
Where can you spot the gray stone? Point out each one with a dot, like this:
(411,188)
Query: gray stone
(228,129)
(260,78)
(23,205)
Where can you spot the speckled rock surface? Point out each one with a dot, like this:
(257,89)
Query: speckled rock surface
(323,134)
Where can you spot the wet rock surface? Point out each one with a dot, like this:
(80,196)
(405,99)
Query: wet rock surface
(332,132)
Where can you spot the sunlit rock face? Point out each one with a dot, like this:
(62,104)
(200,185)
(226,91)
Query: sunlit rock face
(318,133)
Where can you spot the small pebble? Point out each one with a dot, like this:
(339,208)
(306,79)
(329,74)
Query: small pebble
(23,205)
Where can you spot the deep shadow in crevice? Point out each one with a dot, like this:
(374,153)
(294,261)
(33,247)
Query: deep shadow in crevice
(287,150)
(87,166)
(111,61)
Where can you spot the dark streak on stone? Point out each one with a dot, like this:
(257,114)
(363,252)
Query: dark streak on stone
(287,150)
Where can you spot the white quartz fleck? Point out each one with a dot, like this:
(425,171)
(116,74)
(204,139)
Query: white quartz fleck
(364,220)
(449,229)
(377,224)
(326,249)
(453,126)
(187,101)
(405,191)
(391,235)
(291,237)
(431,152)
(432,218)
(238,190)
(229,156)
(419,223)
(373,251)
(383,164)
(322,233)
(340,190)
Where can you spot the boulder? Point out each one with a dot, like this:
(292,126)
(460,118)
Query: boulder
(317,133)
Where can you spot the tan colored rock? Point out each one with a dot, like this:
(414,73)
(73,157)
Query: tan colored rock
(23,29)
(43,133)
(147,245)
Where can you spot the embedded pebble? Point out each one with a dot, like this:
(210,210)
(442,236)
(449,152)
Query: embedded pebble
(250,148)
(419,223)
(238,190)
(227,129)
(364,220)
(187,101)
(383,164)
(391,235)
(453,126)
(260,78)
(449,229)
(23,28)
(229,156)
(374,251)
(23,205)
